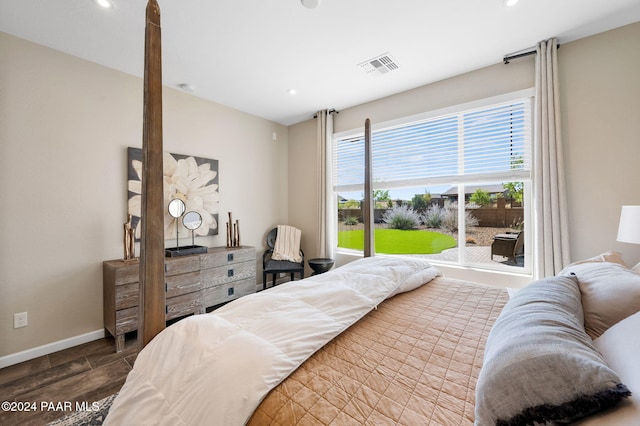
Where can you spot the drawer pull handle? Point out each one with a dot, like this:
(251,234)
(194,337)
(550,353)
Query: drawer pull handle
(230,257)
(230,291)
(230,273)
(166,287)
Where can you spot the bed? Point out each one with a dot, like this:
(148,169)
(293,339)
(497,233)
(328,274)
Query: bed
(384,340)
(379,338)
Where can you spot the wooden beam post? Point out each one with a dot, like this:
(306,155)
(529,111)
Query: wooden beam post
(369,239)
(151,316)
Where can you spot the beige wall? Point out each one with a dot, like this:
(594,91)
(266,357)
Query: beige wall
(303,170)
(600,91)
(65,125)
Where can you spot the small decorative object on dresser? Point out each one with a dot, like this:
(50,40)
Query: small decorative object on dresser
(233,233)
(192,284)
(190,220)
(129,242)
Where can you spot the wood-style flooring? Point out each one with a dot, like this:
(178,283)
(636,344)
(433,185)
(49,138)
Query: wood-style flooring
(85,373)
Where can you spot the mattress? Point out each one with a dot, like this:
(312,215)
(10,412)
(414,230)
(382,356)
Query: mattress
(413,360)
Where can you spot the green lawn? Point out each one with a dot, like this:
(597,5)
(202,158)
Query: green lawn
(396,241)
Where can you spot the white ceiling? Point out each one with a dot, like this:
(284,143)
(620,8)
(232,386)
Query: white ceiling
(247,54)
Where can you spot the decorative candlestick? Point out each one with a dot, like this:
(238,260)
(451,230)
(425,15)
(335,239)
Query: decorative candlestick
(233,233)
(129,241)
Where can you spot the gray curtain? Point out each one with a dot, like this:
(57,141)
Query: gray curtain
(327,208)
(551,235)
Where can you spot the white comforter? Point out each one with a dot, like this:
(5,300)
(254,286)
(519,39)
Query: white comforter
(216,368)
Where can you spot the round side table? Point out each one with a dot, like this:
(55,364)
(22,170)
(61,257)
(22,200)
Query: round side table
(320,265)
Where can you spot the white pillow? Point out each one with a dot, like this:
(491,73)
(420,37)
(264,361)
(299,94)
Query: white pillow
(620,347)
(607,256)
(610,293)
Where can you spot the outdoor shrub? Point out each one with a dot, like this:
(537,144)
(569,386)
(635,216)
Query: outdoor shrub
(432,218)
(517,224)
(401,217)
(480,197)
(350,204)
(470,219)
(515,190)
(450,218)
(351,220)
(420,201)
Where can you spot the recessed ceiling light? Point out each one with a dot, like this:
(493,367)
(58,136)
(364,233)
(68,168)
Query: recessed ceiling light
(106,4)
(291,91)
(310,4)
(510,2)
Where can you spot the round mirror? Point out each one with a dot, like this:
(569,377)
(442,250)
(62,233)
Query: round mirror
(192,220)
(176,207)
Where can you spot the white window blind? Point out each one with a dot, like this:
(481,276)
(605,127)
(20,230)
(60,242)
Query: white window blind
(492,142)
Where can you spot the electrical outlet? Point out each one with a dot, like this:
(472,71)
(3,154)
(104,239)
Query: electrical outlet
(20,320)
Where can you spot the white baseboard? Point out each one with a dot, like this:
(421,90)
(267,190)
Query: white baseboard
(49,348)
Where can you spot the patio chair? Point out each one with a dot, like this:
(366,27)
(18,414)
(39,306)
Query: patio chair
(509,245)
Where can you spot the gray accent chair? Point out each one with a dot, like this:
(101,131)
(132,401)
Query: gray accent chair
(274,267)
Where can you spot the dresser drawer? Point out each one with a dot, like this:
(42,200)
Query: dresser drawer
(227,256)
(226,292)
(181,265)
(224,274)
(127,295)
(176,285)
(121,272)
(126,320)
(185,304)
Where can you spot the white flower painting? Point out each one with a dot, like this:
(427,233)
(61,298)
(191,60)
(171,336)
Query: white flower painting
(194,180)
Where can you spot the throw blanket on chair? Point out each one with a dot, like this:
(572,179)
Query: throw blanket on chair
(287,245)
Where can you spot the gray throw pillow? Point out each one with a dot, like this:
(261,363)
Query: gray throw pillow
(539,365)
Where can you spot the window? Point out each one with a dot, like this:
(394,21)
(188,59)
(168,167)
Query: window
(461,176)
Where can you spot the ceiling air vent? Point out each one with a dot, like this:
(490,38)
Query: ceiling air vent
(379,65)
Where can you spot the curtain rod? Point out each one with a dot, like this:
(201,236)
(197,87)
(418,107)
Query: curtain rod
(331,111)
(511,56)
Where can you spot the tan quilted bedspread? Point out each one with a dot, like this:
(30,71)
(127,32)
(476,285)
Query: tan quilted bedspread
(413,361)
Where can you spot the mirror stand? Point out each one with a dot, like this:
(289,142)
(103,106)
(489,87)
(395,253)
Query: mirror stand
(191,220)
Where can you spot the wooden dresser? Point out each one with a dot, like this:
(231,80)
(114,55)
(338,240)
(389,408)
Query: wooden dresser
(192,284)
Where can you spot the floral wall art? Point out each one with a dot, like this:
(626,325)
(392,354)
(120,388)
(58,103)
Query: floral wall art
(192,179)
